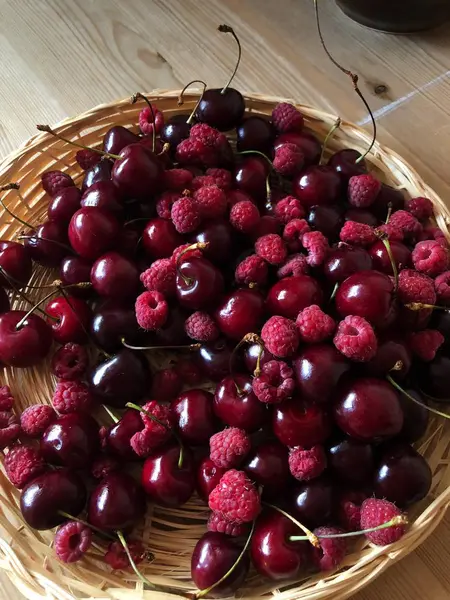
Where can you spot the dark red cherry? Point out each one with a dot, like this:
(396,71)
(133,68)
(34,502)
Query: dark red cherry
(250,176)
(351,461)
(175,130)
(441,321)
(118,436)
(344,163)
(15,264)
(415,417)
(239,313)
(434,376)
(115,276)
(345,260)
(391,353)
(117,137)
(222,109)
(313,502)
(74,269)
(104,195)
(220,239)
(71,441)
(129,240)
(239,407)
(160,238)
(4,301)
(165,481)
(45,496)
(327,219)
(214,359)
(194,416)
(208,476)
(111,324)
(48,243)
(99,172)
(172,333)
(93,231)
(64,204)
(255,133)
(317,185)
(296,423)
(388,197)
(138,173)
(267,465)
(251,355)
(199,283)
(74,319)
(267,224)
(361,215)
(117,503)
(288,296)
(382,262)
(26,345)
(307,142)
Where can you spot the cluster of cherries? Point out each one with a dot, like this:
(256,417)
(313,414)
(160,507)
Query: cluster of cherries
(272,328)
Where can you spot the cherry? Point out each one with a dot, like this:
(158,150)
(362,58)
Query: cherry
(23,344)
(165,481)
(267,465)
(345,260)
(239,313)
(250,176)
(175,130)
(104,195)
(71,441)
(220,239)
(388,198)
(138,172)
(313,502)
(99,172)
(288,296)
(208,476)
(434,376)
(214,359)
(74,318)
(118,436)
(296,423)
(380,257)
(111,324)
(318,370)
(199,283)
(252,353)
(93,231)
(403,476)
(117,137)
(194,416)
(64,204)
(46,496)
(415,417)
(327,219)
(307,142)
(15,264)
(368,409)
(74,269)
(4,301)
(115,276)
(213,556)
(160,238)
(392,355)
(236,404)
(255,133)
(344,163)
(48,243)
(129,239)
(351,461)
(172,333)
(116,503)
(441,322)
(361,215)
(266,224)
(317,185)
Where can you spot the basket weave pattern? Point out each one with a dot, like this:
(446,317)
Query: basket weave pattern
(25,554)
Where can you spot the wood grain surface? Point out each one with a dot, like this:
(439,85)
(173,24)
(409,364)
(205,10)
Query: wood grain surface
(61,57)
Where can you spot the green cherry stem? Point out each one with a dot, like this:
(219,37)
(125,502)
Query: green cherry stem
(309,535)
(404,393)
(394,522)
(112,416)
(387,245)
(77,520)
(132,563)
(48,129)
(335,126)
(228,29)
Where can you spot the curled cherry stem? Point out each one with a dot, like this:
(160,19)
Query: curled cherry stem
(396,521)
(181,101)
(333,128)
(48,129)
(13,186)
(228,29)
(410,397)
(197,246)
(134,98)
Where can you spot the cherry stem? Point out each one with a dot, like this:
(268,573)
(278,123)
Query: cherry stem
(77,520)
(354,79)
(134,98)
(422,306)
(112,416)
(181,101)
(335,126)
(309,535)
(13,186)
(48,129)
(394,522)
(33,308)
(402,391)
(228,29)
(190,347)
(67,299)
(249,338)
(334,292)
(197,246)
(206,591)
(244,152)
(43,239)
(387,245)
(132,563)
(389,213)
(19,292)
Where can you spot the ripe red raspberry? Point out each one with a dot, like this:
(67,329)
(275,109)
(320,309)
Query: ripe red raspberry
(189,371)
(424,344)
(185,215)
(206,134)
(146,122)
(152,310)
(356,339)
(363,190)
(285,117)
(235,498)
(390,232)
(53,181)
(407,223)
(6,398)
(415,287)
(71,396)
(252,270)
(165,202)
(161,277)
(103,466)
(295,265)
(235,196)
(217,523)
(117,558)
(153,435)
(36,418)
(293,233)
(317,245)
(275,383)
(430,257)
(289,208)
(211,202)
(332,550)
(314,325)
(349,509)
(70,362)
(288,160)
(177,180)
(87,158)
(442,287)
(166,384)
(376,512)
(201,327)
(194,152)
(421,208)
(307,464)
(280,336)
(22,464)
(229,447)
(222,178)
(272,248)
(9,428)
(180,250)
(202,181)
(72,541)
(357,234)
(244,216)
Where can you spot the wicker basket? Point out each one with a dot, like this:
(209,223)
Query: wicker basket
(26,555)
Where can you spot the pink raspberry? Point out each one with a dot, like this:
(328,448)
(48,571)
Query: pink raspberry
(434,233)
(195,152)
(357,234)
(70,362)
(430,257)
(206,134)
(72,541)
(307,464)
(356,339)
(177,180)
(235,498)
(407,223)
(289,208)
(6,398)
(314,325)
(285,117)
(288,160)
(211,202)
(22,464)
(442,287)
(117,558)
(165,202)
(317,246)
(272,248)
(9,428)
(252,270)
(217,523)
(180,250)
(104,466)
(375,512)
(161,277)
(152,310)
(166,384)
(185,215)
(87,158)
(153,435)
(222,178)
(36,418)
(392,233)
(363,190)
(349,509)
(280,336)
(275,383)
(189,371)
(421,208)
(147,123)
(424,344)
(332,550)
(235,196)
(244,216)
(54,181)
(229,447)
(200,326)
(415,287)
(202,181)
(71,396)
(293,233)
(295,265)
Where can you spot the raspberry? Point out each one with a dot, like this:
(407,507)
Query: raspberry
(363,190)
(288,160)
(195,152)
(87,158)
(211,202)
(430,257)
(103,466)
(222,178)
(189,372)
(415,287)
(71,396)
(185,215)
(152,310)
(317,245)
(285,117)
(314,325)
(235,498)
(147,123)
(442,287)
(22,464)
(392,233)
(421,208)
(206,134)
(194,253)
(166,384)
(307,464)
(331,552)
(229,447)
(357,234)
(434,233)
(53,181)
(235,196)
(72,540)
(244,216)
(349,510)
(153,435)
(6,399)
(289,208)
(275,383)
(36,418)
(295,265)
(376,512)
(252,270)
(356,339)
(293,233)
(9,428)
(165,202)
(161,277)
(202,181)
(117,558)
(177,180)
(424,344)
(201,327)
(70,362)
(407,223)
(217,523)
(280,336)
(272,248)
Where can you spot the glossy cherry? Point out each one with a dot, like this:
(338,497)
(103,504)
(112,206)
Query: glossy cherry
(138,173)
(99,172)
(208,476)
(392,354)
(239,407)
(382,262)
(345,260)
(267,465)
(307,142)
(15,264)
(104,194)
(117,437)
(74,319)
(74,269)
(361,215)
(415,417)
(199,283)
(71,441)
(93,231)
(48,243)
(117,137)
(64,204)
(255,133)
(26,345)
(214,359)
(344,163)
(288,296)
(351,461)
(172,333)
(313,502)
(327,219)
(222,109)
(115,276)
(220,239)
(252,353)
(194,416)
(250,176)
(175,130)
(111,324)
(240,313)
(160,238)
(317,185)
(388,197)
(296,423)
(434,376)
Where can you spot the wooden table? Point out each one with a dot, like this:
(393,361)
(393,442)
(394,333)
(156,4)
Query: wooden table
(61,57)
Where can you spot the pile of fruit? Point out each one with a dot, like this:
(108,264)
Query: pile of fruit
(263,326)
